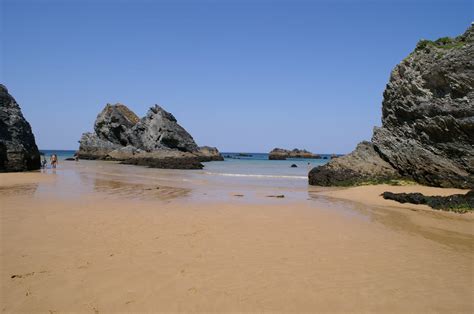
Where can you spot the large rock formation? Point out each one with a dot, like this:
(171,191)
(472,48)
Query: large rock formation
(18,150)
(283,154)
(156,140)
(427,131)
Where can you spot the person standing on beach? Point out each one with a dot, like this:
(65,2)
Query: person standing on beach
(54,161)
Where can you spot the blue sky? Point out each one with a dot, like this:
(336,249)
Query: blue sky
(239,75)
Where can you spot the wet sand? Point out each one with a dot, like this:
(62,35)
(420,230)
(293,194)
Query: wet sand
(92,237)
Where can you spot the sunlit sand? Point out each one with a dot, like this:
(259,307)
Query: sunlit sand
(102,237)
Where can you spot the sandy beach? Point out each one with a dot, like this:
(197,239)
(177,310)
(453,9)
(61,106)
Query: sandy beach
(84,240)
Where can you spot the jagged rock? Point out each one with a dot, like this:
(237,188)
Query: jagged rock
(157,140)
(113,124)
(427,131)
(159,129)
(18,150)
(93,147)
(362,165)
(283,154)
(427,128)
(207,153)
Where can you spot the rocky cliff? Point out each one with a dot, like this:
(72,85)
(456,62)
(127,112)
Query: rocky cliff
(156,140)
(427,131)
(18,150)
(282,154)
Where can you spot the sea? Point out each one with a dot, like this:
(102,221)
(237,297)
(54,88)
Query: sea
(250,165)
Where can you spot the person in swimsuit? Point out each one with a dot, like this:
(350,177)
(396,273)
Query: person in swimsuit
(54,161)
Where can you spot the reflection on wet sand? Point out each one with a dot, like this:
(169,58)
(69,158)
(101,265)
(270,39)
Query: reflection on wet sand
(401,220)
(28,189)
(139,191)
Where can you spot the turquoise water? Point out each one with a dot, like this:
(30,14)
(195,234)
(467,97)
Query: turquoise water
(256,165)
(62,154)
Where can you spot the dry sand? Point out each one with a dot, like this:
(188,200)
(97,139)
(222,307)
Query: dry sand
(110,250)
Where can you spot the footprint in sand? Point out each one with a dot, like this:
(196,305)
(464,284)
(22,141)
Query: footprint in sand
(84,266)
(21,276)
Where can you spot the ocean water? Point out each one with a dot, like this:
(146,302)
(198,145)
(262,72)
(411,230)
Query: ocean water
(62,154)
(249,165)
(257,165)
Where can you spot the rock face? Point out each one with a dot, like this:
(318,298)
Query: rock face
(114,122)
(18,150)
(427,131)
(156,140)
(283,154)
(159,129)
(362,165)
(91,146)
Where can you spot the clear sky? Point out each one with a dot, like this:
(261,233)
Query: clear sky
(239,75)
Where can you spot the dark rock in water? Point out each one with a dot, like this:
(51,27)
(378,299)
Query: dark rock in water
(457,202)
(283,154)
(166,159)
(362,165)
(427,131)
(166,163)
(277,196)
(157,140)
(294,166)
(123,153)
(278,154)
(18,150)
(244,155)
(113,124)
(207,153)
